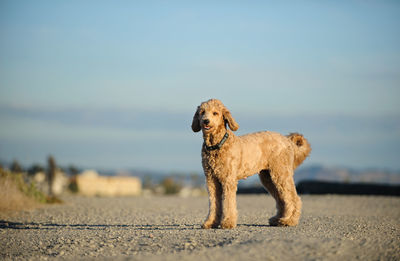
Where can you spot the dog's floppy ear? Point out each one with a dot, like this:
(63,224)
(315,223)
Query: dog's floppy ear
(230,120)
(196,122)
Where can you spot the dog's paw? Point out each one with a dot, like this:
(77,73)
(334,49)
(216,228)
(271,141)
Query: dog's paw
(283,222)
(274,221)
(228,224)
(208,225)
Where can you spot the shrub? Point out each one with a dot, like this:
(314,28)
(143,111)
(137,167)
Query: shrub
(170,186)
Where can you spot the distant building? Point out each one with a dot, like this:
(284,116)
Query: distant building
(90,183)
(59,184)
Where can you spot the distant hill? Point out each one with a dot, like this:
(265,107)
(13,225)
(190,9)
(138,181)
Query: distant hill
(336,180)
(329,187)
(341,174)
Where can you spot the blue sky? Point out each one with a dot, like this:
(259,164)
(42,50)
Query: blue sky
(114,84)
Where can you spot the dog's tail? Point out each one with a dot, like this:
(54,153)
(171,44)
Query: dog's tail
(302,148)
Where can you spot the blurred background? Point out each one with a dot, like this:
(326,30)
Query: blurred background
(113,85)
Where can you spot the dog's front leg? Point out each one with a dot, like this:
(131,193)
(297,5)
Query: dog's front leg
(229,211)
(215,197)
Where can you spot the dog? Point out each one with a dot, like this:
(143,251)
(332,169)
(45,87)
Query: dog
(227,158)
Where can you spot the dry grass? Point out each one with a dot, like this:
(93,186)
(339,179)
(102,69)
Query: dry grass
(12,198)
(16,194)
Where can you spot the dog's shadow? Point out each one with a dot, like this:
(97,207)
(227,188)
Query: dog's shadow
(4,224)
(49,226)
(254,225)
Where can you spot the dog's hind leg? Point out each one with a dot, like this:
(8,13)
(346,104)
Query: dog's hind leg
(297,204)
(265,178)
(215,203)
(293,201)
(281,187)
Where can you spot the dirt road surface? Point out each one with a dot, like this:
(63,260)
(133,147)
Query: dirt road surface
(168,228)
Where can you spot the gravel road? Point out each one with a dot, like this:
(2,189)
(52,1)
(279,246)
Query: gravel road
(168,228)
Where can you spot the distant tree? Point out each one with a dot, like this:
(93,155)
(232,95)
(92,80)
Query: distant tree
(170,186)
(148,182)
(15,167)
(73,185)
(51,173)
(73,170)
(196,180)
(35,168)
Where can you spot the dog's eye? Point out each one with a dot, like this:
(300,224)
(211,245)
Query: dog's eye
(201,112)
(215,113)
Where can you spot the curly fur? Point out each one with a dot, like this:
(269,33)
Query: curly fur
(273,156)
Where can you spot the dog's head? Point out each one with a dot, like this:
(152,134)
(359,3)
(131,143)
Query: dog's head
(211,116)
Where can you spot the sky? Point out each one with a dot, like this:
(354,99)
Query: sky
(115,84)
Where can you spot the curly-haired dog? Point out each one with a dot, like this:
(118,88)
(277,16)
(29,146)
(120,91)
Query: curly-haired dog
(228,158)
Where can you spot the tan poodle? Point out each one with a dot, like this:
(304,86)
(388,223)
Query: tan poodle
(228,158)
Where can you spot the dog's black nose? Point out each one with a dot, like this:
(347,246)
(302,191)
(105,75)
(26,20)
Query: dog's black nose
(206,121)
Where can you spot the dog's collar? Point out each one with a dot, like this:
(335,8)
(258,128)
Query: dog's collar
(218,145)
